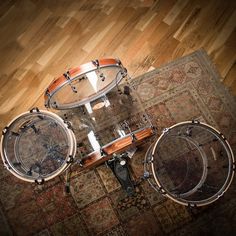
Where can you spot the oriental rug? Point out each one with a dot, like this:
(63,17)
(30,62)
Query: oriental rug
(185,89)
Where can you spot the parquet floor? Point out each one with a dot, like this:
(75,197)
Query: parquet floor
(40,40)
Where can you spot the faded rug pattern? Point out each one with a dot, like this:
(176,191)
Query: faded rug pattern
(186,89)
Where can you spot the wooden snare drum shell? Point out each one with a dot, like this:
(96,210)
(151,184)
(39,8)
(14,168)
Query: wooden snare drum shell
(117,146)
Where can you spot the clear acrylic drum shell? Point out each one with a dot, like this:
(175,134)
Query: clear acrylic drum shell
(84,83)
(15,143)
(204,177)
(109,120)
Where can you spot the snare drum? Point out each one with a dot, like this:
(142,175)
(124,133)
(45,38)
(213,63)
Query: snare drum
(37,146)
(107,116)
(191,163)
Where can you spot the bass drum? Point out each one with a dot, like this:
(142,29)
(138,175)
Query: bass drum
(102,105)
(37,146)
(191,163)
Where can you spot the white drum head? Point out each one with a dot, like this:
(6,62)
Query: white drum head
(37,146)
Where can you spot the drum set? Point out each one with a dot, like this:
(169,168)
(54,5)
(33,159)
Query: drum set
(99,118)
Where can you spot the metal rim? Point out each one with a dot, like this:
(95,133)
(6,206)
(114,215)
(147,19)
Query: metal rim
(71,152)
(227,182)
(90,67)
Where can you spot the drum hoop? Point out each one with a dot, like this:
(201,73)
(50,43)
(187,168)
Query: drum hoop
(226,184)
(83,69)
(66,164)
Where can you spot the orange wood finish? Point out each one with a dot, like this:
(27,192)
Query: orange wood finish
(118,146)
(82,69)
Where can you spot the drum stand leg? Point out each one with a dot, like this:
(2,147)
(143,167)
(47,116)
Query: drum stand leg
(119,166)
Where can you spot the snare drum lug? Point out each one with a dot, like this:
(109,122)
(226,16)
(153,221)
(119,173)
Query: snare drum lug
(35,109)
(81,163)
(4,131)
(133,137)
(103,152)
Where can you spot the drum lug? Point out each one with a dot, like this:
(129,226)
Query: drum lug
(162,191)
(81,163)
(223,136)
(148,161)
(70,160)
(46,105)
(103,152)
(7,166)
(96,63)
(47,93)
(146,175)
(165,130)
(69,125)
(124,72)
(195,121)
(39,181)
(4,131)
(67,75)
(133,137)
(35,109)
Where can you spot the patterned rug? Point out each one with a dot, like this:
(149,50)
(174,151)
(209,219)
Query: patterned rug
(186,89)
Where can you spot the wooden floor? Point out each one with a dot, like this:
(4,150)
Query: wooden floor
(40,40)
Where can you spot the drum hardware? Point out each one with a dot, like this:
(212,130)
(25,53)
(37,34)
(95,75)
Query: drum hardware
(37,145)
(103,152)
(189,162)
(110,123)
(67,180)
(101,75)
(67,76)
(119,166)
(133,137)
